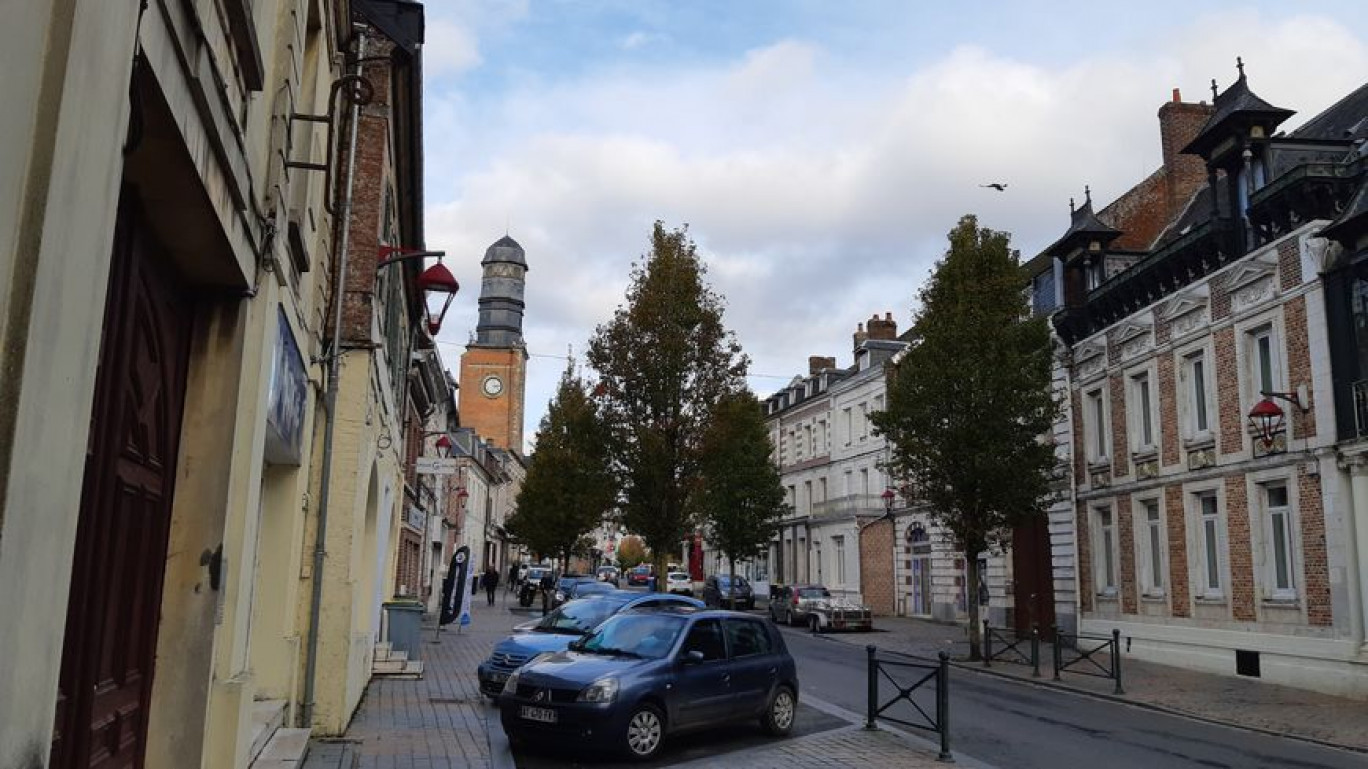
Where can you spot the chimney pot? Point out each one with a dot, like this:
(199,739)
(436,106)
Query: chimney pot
(1177,96)
(888,316)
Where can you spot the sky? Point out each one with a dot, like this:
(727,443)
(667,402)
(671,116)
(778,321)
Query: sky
(818,151)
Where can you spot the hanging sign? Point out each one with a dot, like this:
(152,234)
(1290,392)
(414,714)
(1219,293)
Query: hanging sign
(435,465)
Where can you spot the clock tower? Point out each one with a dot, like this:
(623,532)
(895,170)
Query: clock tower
(494,365)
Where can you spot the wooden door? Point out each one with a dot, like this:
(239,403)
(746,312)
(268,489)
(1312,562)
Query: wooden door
(1033,575)
(115,601)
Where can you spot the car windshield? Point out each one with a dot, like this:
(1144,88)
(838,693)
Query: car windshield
(578,617)
(723,582)
(814,592)
(650,636)
(568,582)
(536,574)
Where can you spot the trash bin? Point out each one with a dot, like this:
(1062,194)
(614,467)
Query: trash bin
(404,620)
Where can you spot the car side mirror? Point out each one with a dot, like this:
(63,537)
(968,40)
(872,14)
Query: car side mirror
(691,657)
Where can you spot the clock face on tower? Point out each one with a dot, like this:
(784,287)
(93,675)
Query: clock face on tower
(492,386)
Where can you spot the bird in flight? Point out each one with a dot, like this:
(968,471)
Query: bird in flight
(999,186)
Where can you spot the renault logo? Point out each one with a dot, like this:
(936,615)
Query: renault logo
(540,696)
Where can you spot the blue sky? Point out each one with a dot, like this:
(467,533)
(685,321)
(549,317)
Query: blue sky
(819,151)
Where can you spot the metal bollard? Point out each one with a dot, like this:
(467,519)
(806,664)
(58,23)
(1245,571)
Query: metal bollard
(1116,659)
(943,708)
(1035,653)
(1058,654)
(872,705)
(987,645)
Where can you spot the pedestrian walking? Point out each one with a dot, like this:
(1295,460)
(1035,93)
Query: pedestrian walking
(512,577)
(490,582)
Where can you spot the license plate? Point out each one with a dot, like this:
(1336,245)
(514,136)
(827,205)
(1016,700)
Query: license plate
(544,715)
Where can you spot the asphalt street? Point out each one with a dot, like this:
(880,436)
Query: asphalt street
(1019,726)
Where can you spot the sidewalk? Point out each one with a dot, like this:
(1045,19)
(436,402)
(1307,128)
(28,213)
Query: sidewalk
(1230,700)
(437,722)
(442,721)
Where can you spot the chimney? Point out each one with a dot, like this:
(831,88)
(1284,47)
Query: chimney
(1179,124)
(887,328)
(816,363)
(860,335)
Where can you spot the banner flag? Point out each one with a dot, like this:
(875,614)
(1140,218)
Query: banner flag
(454,587)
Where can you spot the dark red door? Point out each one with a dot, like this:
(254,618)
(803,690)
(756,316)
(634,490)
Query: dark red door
(116,582)
(1032,571)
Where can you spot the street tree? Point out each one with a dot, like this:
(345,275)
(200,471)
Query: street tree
(569,485)
(663,361)
(740,499)
(970,405)
(631,552)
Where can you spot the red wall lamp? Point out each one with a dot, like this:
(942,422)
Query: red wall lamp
(1267,417)
(436,279)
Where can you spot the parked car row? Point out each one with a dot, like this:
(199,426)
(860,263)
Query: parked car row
(816,607)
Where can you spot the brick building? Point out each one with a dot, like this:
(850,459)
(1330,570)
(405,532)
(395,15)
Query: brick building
(1180,307)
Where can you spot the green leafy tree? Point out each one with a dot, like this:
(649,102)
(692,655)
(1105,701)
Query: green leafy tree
(970,405)
(741,498)
(631,552)
(569,486)
(663,361)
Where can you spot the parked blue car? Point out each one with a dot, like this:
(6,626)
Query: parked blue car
(556,630)
(647,674)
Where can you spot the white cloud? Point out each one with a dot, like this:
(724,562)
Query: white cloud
(820,195)
(450,48)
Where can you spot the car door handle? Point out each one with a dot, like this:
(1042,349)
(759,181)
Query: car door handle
(726,678)
(773,672)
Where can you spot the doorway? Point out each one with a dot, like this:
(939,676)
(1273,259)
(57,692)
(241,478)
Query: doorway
(108,654)
(921,571)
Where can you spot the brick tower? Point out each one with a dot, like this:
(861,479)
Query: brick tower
(494,365)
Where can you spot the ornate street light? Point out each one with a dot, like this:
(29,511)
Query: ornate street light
(1267,418)
(436,279)
(888,496)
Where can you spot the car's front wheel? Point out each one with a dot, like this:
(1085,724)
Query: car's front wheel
(778,717)
(645,732)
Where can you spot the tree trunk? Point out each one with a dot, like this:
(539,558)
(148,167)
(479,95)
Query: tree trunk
(975,637)
(731,584)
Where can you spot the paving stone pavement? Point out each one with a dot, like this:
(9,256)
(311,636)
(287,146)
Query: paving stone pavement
(851,746)
(436,722)
(1243,702)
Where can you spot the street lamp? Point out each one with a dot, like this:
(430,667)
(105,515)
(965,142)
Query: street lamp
(1267,418)
(888,496)
(436,279)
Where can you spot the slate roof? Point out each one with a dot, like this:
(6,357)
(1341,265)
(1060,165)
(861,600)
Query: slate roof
(505,249)
(1083,225)
(1346,119)
(1234,103)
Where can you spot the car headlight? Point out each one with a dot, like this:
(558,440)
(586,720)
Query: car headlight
(560,596)
(511,685)
(602,690)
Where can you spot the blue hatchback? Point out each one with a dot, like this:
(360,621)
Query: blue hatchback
(556,630)
(646,674)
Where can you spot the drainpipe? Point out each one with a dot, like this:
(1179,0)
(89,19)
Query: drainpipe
(330,398)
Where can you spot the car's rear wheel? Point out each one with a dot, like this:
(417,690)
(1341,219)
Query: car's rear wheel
(778,717)
(645,732)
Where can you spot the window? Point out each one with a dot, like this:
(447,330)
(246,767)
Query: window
(807,492)
(839,544)
(706,637)
(864,421)
(878,403)
(1198,420)
(849,426)
(1280,575)
(747,638)
(1152,559)
(821,486)
(1264,373)
(848,489)
(822,436)
(864,481)
(1142,413)
(1095,417)
(1209,558)
(1105,566)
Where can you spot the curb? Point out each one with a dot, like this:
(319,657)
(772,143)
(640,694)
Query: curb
(1120,699)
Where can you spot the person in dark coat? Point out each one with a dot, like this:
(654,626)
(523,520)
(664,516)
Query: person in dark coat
(490,582)
(512,576)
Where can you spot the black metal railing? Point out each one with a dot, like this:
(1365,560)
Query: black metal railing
(937,675)
(1010,649)
(1080,654)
